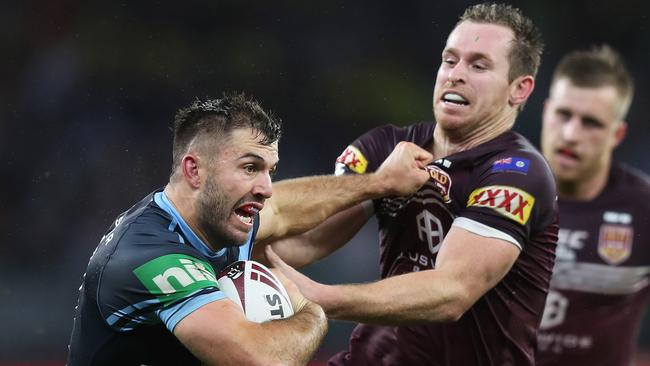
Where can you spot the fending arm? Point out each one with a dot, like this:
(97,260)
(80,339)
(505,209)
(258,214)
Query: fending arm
(300,204)
(467,266)
(319,242)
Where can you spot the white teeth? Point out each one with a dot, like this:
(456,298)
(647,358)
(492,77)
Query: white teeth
(245,219)
(454,97)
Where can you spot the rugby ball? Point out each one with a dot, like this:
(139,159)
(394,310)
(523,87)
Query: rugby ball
(253,287)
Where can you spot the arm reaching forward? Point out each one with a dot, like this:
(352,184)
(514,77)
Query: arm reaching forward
(298,205)
(468,265)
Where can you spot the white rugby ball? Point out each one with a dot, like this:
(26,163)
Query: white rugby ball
(253,287)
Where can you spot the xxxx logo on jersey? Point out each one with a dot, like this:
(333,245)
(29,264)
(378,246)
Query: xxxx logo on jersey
(511,202)
(353,159)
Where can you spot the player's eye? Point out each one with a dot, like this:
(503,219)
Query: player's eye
(479,67)
(449,61)
(250,169)
(564,114)
(593,123)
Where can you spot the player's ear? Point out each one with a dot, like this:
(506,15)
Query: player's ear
(520,89)
(620,133)
(190,169)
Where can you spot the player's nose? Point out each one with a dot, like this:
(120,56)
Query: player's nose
(571,129)
(263,186)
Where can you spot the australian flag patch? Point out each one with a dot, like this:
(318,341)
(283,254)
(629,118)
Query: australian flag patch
(512,164)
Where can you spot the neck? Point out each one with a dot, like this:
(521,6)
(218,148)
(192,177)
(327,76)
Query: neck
(184,203)
(586,189)
(448,142)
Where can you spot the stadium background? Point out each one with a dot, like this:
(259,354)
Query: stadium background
(89,91)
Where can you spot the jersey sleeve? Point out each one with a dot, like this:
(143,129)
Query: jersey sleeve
(155,278)
(173,314)
(513,198)
(365,154)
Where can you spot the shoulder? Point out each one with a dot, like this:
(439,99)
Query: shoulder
(513,158)
(149,236)
(512,178)
(366,153)
(152,268)
(417,133)
(152,226)
(628,189)
(142,244)
(631,179)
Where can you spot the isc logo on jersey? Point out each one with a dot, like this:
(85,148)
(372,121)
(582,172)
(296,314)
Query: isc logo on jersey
(174,276)
(511,202)
(353,159)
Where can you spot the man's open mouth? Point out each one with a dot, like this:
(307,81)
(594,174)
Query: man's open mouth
(245,213)
(454,98)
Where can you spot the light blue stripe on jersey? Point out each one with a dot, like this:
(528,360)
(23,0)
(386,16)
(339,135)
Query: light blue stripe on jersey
(244,250)
(127,311)
(161,200)
(174,314)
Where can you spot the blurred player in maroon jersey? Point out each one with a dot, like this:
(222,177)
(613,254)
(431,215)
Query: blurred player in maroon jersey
(467,259)
(599,286)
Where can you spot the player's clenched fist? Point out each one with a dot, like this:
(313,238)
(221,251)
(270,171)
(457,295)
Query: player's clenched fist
(403,171)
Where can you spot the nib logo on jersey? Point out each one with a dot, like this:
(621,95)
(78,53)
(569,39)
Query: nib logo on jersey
(173,276)
(511,202)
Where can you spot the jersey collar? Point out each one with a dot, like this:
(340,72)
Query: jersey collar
(163,201)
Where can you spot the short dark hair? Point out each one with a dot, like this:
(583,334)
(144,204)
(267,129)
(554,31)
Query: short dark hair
(597,67)
(527,45)
(217,118)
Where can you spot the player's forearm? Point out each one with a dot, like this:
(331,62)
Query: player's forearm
(406,299)
(301,204)
(293,341)
(219,334)
(319,242)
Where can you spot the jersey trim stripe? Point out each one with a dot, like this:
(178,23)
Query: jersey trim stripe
(161,200)
(174,314)
(599,278)
(484,230)
(126,318)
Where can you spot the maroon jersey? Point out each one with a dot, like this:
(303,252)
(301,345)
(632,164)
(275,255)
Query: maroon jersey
(599,286)
(501,189)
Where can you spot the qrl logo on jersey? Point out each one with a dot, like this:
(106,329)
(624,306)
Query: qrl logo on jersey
(615,243)
(511,202)
(441,180)
(174,276)
(353,159)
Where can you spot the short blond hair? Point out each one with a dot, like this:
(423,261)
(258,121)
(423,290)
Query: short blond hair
(597,67)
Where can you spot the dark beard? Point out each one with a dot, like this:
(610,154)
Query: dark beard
(213,211)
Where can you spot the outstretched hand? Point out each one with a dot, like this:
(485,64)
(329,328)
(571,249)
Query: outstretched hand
(403,171)
(300,284)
